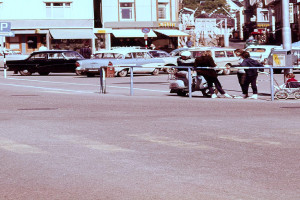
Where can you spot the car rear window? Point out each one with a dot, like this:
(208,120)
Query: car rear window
(230,53)
(220,54)
(73,55)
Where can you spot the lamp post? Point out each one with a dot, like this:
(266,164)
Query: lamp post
(286,29)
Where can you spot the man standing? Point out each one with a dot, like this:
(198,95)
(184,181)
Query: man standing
(86,51)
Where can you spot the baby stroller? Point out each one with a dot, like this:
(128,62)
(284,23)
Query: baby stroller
(288,90)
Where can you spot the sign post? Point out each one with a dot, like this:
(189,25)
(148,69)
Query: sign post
(146,31)
(5,31)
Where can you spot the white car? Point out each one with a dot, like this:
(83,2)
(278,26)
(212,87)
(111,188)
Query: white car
(170,61)
(261,52)
(121,59)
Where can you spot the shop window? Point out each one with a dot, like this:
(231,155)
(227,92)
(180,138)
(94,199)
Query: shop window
(163,11)
(14,43)
(32,42)
(126,11)
(58,10)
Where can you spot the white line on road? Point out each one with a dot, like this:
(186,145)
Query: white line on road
(95,85)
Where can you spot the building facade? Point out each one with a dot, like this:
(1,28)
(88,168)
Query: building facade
(123,21)
(58,24)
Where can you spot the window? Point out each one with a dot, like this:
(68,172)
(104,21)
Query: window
(1,9)
(220,54)
(126,11)
(128,56)
(163,11)
(58,10)
(230,53)
(55,56)
(39,56)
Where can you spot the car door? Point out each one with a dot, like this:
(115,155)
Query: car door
(231,57)
(56,62)
(68,62)
(37,62)
(220,58)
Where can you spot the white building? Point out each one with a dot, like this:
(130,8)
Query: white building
(65,24)
(69,24)
(123,21)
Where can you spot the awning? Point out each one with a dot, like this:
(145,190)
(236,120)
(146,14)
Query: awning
(171,32)
(72,33)
(131,33)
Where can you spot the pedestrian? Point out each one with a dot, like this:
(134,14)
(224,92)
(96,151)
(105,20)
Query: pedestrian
(292,82)
(43,48)
(210,75)
(241,74)
(189,43)
(86,51)
(251,75)
(152,46)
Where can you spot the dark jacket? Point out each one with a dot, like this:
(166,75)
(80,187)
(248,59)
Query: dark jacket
(205,61)
(182,62)
(86,52)
(249,62)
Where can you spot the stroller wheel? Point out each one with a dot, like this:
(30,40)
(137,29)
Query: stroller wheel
(281,95)
(297,95)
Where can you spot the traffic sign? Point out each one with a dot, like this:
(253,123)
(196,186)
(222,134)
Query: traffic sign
(5,26)
(145,30)
(7,34)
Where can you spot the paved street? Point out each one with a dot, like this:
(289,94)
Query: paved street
(61,139)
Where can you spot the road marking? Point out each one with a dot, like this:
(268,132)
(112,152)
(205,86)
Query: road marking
(15,147)
(47,88)
(91,144)
(162,140)
(258,142)
(94,85)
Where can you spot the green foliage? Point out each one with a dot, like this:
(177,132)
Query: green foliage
(206,5)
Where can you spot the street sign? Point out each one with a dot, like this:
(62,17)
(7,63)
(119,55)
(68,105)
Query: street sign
(5,26)
(7,34)
(145,30)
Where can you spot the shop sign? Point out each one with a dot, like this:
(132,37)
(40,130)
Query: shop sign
(166,24)
(291,11)
(7,34)
(101,31)
(262,25)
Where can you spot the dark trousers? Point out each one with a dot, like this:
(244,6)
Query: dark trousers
(241,78)
(214,80)
(250,80)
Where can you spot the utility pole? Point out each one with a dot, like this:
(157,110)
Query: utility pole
(286,28)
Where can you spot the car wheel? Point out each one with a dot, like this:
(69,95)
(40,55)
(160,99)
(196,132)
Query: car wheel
(90,75)
(155,72)
(297,95)
(25,72)
(227,71)
(123,73)
(281,95)
(78,73)
(181,93)
(44,73)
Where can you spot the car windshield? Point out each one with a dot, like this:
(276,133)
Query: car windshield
(259,50)
(72,55)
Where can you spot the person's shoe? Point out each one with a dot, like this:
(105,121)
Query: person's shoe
(245,96)
(225,96)
(254,96)
(213,96)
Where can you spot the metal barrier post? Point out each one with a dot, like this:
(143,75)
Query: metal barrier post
(131,81)
(4,61)
(190,82)
(272,83)
(102,80)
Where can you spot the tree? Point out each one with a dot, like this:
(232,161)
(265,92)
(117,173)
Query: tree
(208,6)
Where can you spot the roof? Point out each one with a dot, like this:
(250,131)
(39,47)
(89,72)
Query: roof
(123,50)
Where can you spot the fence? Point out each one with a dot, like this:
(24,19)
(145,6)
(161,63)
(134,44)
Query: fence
(189,69)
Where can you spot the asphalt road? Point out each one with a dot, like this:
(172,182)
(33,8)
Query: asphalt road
(61,139)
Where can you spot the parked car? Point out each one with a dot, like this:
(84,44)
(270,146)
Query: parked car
(11,55)
(261,52)
(44,62)
(223,57)
(170,61)
(120,59)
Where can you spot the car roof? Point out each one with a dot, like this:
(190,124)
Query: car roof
(263,46)
(53,51)
(123,50)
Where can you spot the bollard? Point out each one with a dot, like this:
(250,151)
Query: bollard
(272,83)
(131,81)
(190,82)
(102,81)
